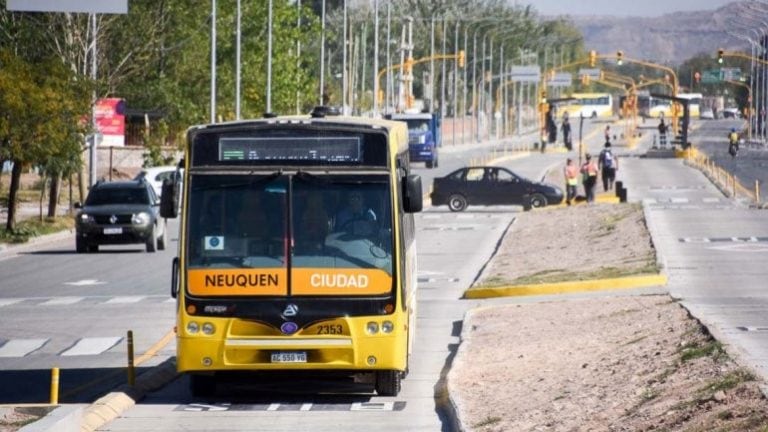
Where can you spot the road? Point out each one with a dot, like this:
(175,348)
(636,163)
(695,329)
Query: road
(86,303)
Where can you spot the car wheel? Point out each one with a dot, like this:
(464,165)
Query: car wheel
(457,203)
(152,240)
(538,201)
(429,164)
(161,242)
(388,382)
(80,245)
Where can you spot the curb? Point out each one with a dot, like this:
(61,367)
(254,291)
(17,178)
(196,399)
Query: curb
(88,418)
(111,406)
(567,287)
(8,248)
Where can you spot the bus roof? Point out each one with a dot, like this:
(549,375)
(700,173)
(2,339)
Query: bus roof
(396,128)
(589,95)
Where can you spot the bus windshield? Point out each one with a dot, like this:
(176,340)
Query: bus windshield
(247,233)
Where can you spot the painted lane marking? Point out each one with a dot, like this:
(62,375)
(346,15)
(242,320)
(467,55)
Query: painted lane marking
(372,406)
(85,282)
(711,200)
(8,302)
(91,346)
(21,347)
(61,301)
(125,300)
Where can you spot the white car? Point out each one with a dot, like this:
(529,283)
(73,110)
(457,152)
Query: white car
(707,114)
(156,175)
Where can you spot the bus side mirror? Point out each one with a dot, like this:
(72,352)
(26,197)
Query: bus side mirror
(169,199)
(413,200)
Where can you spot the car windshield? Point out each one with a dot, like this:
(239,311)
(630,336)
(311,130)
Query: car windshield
(106,196)
(418,125)
(323,223)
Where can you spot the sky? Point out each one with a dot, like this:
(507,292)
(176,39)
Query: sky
(620,7)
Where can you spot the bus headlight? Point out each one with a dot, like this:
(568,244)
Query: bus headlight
(372,327)
(387,327)
(209,328)
(193,327)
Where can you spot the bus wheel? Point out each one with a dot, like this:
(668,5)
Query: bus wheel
(457,203)
(202,385)
(429,164)
(388,382)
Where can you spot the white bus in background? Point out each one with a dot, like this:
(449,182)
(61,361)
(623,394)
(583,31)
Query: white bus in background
(694,104)
(590,105)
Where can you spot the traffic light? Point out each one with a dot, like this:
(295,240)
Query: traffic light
(461,58)
(720,53)
(619,57)
(592,58)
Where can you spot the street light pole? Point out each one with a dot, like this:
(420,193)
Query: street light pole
(375,58)
(237,64)
(269,61)
(213,61)
(322,53)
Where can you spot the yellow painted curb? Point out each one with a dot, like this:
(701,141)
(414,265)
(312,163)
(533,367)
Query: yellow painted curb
(105,410)
(567,287)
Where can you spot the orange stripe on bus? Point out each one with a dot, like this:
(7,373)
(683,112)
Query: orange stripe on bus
(238,282)
(321,281)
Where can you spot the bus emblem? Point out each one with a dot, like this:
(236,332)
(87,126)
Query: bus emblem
(291,310)
(289,327)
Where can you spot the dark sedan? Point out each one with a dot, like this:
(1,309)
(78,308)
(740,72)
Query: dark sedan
(490,186)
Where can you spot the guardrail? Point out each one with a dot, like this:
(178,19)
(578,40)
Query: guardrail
(724,180)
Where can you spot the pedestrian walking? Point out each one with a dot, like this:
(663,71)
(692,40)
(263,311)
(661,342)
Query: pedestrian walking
(607,164)
(571,180)
(566,128)
(589,177)
(662,133)
(607,133)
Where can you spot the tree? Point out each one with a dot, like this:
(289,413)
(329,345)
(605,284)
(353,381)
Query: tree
(41,123)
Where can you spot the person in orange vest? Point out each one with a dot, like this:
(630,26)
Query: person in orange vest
(589,177)
(571,180)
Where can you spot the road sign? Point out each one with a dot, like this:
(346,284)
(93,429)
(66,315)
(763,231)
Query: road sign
(563,79)
(73,6)
(530,74)
(710,76)
(730,74)
(591,73)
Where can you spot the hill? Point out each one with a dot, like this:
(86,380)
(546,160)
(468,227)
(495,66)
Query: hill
(666,39)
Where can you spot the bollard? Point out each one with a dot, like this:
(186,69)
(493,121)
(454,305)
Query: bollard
(131,368)
(55,386)
(733,183)
(757,192)
(619,185)
(622,194)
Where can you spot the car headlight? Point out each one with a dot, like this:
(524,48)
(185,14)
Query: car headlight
(86,218)
(142,218)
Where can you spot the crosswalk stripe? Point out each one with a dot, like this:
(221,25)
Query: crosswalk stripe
(21,347)
(59,301)
(124,300)
(91,346)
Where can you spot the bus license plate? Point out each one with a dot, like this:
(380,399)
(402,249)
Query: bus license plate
(113,230)
(289,357)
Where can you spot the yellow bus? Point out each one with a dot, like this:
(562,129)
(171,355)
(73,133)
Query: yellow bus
(296,249)
(590,105)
